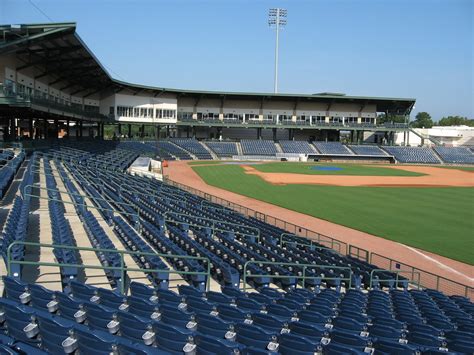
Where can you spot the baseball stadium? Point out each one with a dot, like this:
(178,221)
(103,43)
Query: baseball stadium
(152,220)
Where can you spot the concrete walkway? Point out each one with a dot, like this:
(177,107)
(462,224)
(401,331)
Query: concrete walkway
(94,277)
(40,231)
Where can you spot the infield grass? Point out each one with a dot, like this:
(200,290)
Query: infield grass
(439,220)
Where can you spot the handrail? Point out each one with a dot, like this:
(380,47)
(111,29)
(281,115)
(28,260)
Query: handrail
(397,272)
(214,221)
(8,164)
(230,203)
(211,205)
(40,172)
(83,196)
(123,268)
(284,242)
(150,193)
(214,229)
(303,277)
(310,244)
(60,155)
(75,203)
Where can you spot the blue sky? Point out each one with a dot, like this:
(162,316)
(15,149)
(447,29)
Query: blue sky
(397,48)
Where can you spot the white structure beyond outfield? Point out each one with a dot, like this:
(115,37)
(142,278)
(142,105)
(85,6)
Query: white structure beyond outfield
(451,136)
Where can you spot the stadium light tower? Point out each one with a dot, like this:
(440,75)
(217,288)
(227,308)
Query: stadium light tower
(277,19)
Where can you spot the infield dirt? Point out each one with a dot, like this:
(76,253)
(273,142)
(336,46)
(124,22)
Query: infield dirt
(434,177)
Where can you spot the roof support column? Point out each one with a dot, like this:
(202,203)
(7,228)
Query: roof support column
(157,132)
(67,129)
(56,129)
(30,129)
(45,128)
(80,129)
(129,130)
(12,128)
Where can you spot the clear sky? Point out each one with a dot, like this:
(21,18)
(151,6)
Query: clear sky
(398,48)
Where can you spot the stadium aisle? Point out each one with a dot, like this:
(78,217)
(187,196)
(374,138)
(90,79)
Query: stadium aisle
(134,275)
(49,276)
(94,277)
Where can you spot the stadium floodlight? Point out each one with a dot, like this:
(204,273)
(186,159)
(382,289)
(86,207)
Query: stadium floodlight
(276,19)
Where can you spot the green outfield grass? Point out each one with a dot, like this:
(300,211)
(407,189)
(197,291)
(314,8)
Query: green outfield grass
(439,220)
(346,169)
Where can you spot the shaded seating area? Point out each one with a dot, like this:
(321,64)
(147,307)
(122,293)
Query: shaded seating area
(223,149)
(366,150)
(421,155)
(258,147)
(194,147)
(297,147)
(332,148)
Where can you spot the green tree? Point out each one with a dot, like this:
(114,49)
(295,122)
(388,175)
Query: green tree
(382,118)
(456,121)
(422,120)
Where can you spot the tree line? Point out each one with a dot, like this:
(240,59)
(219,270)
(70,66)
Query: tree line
(424,120)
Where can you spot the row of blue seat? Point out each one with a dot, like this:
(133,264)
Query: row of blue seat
(194,147)
(9,167)
(223,149)
(319,318)
(244,324)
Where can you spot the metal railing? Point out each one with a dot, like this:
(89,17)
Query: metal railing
(312,243)
(32,98)
(397,277)
(122,268)
(289,227)
(93,198)
(302,277)
(358,253)
(427,279)
(166,218)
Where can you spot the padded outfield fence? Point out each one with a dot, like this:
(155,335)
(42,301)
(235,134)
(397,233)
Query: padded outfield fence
(423,278)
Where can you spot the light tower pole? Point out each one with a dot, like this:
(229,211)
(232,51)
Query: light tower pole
(277,19)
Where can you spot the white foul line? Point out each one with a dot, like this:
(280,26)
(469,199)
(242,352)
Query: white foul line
(440,264)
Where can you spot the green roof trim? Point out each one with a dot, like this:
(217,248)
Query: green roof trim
(265,94)
(25,33)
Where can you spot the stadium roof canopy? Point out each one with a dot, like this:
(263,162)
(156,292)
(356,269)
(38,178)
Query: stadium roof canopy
(58,51)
